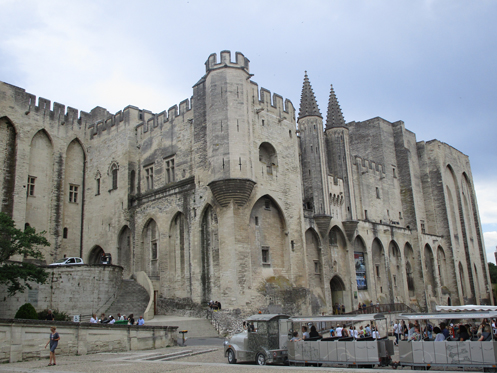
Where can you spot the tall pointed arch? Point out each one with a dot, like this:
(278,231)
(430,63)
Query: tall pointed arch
(124,252)
(209,254)
(314,259)
(74,199)
(269,253)
(430,273)
(148,260)
(178,256)
(361,262)
(479,241)
(380,271)
(8,154)
(40,182)
(410,265)
(396,273)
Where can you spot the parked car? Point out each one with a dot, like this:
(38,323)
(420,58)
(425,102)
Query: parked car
(264,341)
(68,261)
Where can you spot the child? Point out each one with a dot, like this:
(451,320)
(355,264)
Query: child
(295,337)
(54,340)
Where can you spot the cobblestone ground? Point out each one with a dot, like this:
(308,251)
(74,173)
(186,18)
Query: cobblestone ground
(204,356)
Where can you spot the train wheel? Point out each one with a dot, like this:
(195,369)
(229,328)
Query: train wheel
(231,357)
(260,359)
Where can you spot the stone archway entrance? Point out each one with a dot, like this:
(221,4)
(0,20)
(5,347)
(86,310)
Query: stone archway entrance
(95,255)
(337,288)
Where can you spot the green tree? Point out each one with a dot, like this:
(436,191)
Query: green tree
(492,268)
(17,275)
(26,311)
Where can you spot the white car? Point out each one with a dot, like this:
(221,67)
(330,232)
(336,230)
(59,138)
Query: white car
(68,261)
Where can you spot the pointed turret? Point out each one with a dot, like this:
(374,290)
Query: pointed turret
(308,105)
(334,117)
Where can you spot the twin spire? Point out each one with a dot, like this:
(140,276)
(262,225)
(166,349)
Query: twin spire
(309,106)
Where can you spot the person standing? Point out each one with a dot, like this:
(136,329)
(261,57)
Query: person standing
(396,332)
(141,321)
(54,341)
(338,331)
(50,316)
(131,320)
(93,319)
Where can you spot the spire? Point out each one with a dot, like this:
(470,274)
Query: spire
(308,104)
(335,116)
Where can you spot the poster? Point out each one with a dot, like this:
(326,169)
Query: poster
(360,271)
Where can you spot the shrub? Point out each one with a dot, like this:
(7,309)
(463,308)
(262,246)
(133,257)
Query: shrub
(26,311)
(58,315)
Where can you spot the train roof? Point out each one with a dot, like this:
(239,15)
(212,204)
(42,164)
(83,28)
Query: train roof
(468,307)
(339,318)
(266,317)
(448,315)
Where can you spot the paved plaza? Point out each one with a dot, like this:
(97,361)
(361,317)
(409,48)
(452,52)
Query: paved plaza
(201,355)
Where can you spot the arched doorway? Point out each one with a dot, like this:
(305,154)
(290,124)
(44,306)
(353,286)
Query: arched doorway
(337,288)
(95,255)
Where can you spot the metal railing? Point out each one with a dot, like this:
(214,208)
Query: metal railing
(383,308)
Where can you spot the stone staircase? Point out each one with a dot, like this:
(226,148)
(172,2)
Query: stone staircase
(131,299)
(197,327)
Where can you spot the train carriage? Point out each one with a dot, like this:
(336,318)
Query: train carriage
(363,352)
(449,353)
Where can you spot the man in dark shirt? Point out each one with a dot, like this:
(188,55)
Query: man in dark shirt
(445,331)
(50,316)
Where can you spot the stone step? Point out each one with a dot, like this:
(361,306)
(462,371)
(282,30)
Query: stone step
(132,298)
(197,327)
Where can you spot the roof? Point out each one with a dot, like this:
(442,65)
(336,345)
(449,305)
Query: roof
(266,317)
(469,307)
(334,117)
(341,318)
(448,315)
(308,105)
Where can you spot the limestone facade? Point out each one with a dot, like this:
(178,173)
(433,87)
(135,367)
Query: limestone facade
(234,197)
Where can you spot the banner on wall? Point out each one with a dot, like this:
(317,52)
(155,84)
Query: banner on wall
(360,270)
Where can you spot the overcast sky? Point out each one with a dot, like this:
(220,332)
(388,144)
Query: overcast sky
(432,64)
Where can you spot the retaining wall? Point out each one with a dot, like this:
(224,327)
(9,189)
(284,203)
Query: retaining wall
(75,290)
(26,339)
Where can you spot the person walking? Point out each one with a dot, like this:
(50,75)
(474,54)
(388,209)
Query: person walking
(53,341)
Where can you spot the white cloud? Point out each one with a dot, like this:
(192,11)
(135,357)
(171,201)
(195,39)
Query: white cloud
(487,200)
(490,245)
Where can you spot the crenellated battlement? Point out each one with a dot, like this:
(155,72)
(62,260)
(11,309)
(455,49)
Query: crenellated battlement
(240,61)
(156,120)
(366,165)
(273,104)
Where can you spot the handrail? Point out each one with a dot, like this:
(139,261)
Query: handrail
(143,280)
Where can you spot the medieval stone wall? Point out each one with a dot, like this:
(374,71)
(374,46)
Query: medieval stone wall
(227,196)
